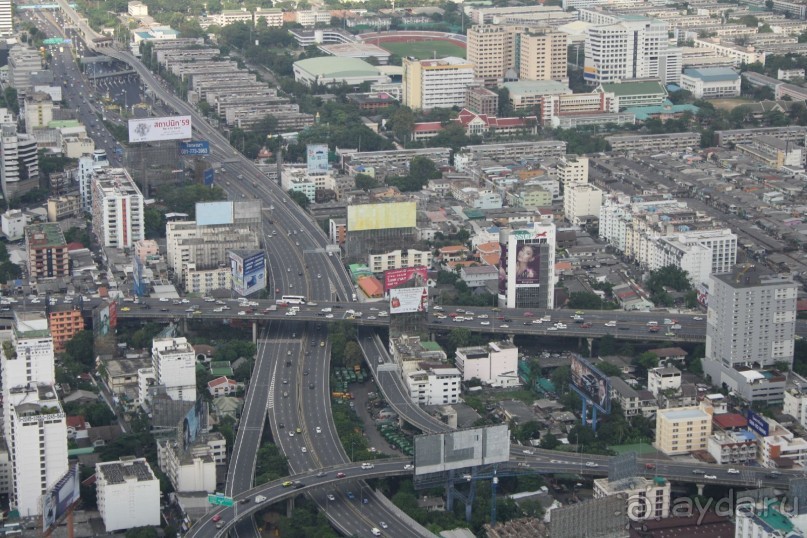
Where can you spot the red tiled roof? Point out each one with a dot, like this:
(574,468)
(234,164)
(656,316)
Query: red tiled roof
(76,421)
(453,248)
(663,352)
(427,127)
(730,420)
(371,286)
(223,380)
(75,245)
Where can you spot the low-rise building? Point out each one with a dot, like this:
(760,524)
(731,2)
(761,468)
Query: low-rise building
(711,82)
(495,364)
(62,207)
(435,386)
(193,469)
(733,447)
(128,494)
(781,447)
(13,224)
(646,498)
(478,275)
(683,430)
(397,259)
(663,378)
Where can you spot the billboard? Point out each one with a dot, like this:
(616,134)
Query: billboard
(407,277)
(210,176)
(194,423)
(317,159)
(113,315)
(248,271)
(591,384)
(381,216)
(213,213)
(527,266)
(435,453)
(503,268)
(195,148)
(57,500)
(757,423)
(406,300)
(101,322)
(156,129)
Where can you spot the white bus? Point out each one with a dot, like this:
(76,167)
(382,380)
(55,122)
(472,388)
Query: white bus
(291,299)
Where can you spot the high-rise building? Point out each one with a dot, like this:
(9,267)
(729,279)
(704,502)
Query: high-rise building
(751,319)
(572,169)
(542,55)
(117,208)
(581,203)
(34,424)
(441,83)
(174,363)
(47,251)
(19,170)
(622,48)
(128,494)
(38,110)
(6,18)
(22,62)
(531,53)
(527,267)
(87,165)
(681,430)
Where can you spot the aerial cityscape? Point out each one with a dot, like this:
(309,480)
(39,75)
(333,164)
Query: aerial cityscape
(415,269)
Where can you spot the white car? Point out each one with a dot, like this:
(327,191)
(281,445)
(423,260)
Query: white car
(504,326)
(366,465)
(164,299)
(259,499)
(331,497)
(482,316)
(291,433)
(528,452)
(242,313)
(383,525)
(733,471)
(591,464)
(305,450)
(484,323)
(319,430)
(698,318)
(408,467)
(710,476)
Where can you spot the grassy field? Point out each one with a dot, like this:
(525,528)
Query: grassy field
(730,103)
(424,49)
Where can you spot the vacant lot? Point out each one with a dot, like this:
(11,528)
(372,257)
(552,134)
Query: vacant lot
(423,49)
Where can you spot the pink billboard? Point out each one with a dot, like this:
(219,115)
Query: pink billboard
(408,277)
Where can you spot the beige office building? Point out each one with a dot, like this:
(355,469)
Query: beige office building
(681,430)
(431,84)
(542,55)
(532,54)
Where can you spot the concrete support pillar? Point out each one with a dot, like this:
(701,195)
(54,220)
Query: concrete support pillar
(700,489)
(254,332)
(290,507)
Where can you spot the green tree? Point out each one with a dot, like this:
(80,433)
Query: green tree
(299,198)
(80,349)
(402,122)
(549,442)
(353,354)
(154,222)
(77,235)
(561,377)
(142,532)
(423,169)
(365,182)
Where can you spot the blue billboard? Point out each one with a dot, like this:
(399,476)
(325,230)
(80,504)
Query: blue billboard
(248,271)
(214,213)
(757,423)
(317,159)
(591,384)
(210,177)
(194,148)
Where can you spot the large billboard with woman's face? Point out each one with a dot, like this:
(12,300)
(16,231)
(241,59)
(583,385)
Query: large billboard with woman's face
(527,264)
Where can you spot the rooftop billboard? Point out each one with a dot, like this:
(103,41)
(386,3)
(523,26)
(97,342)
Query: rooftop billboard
(441,452)
(157,129)
(381,216)
(407,277)
(407,300)
(57,500)
(248,271)
(213,213)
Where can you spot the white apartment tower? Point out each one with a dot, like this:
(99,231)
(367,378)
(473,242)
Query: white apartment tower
(34,423)
(751,319)
(572,169)
(622,48)
(174,363)
(117,208)
(6,19)
(581,201)
(19,169)
(128,494)
(87,165)
(490,48)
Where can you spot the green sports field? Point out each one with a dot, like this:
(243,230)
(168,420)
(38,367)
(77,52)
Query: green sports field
(424,49)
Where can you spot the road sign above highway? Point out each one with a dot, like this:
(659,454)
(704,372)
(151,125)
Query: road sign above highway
(220,499)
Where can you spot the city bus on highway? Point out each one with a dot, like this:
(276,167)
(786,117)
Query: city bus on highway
(291,299)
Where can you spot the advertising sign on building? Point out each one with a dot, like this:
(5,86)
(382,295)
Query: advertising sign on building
(195,148)
(248,271)
(591,384)
(209,177)
(58,499)
(157,129)
(407,277)
(407,300)
(317,159)
(195,421)
(757,423)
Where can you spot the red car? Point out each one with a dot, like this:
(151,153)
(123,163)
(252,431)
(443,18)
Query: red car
(528,314)
(586,326)
(340,475)
(216,518)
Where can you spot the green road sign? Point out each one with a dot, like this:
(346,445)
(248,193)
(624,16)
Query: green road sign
(52,41)
(220,499)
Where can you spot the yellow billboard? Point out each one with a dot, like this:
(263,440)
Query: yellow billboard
(381,216)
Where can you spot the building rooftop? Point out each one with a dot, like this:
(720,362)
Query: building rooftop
(44,235)
(345,67)
(621,89)
(118,472)
(750,276)
(682,414)
(712,74)
(541,87)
